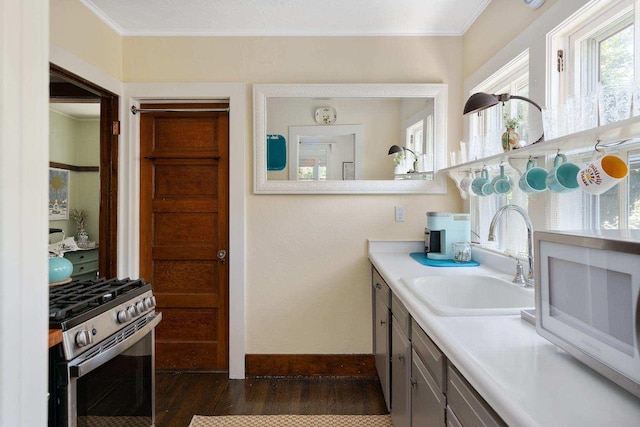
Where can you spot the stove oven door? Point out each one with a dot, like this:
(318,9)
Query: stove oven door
(115,385)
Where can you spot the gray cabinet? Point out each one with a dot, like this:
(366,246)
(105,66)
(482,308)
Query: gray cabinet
(381,334)
(428,381)
(468,407)
(400,370)
(421,388)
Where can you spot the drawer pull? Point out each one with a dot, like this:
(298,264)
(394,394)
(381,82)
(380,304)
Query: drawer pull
(382,323)
(378,286)
(81,256)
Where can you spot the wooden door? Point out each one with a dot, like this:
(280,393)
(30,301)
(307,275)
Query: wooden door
(184,223)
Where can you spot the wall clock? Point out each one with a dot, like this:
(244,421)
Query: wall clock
(325,115)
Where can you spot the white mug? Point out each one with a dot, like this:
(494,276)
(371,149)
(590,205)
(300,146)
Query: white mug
(465,183)
(602,173)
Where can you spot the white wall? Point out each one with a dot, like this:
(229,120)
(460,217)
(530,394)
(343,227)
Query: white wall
(24,123)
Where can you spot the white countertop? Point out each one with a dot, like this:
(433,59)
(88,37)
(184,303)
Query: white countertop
(526,379)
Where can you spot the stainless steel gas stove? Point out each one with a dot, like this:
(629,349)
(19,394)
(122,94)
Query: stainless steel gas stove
(103,372)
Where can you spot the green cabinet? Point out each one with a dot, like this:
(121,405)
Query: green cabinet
(85,263)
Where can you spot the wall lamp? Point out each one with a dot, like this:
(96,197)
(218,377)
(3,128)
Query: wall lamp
(481,101)
(397,149)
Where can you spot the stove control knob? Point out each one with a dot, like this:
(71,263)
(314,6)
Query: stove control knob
(123,316)
(133,310)
(149,302)
(140,307)
(83,338)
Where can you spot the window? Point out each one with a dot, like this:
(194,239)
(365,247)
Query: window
(600,45)
(486,129)
(419,138)
(312,165)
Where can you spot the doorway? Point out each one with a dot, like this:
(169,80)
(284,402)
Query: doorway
(184,231)
(68,88)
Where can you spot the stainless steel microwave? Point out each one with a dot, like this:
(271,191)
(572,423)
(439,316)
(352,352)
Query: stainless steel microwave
(587,299)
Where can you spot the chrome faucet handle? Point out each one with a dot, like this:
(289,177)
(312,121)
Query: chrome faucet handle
(519,277)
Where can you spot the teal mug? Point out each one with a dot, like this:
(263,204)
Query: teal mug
(482,185)
(534,179)
(563,177)
(502,183)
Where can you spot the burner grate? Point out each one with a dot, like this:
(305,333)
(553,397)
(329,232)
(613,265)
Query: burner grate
(78,297)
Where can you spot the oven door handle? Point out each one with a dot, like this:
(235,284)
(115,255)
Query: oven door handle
(85,366)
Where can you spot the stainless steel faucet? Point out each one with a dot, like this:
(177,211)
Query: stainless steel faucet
(529,281)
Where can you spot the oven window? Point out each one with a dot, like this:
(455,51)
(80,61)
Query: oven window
(594,300)
(120,392)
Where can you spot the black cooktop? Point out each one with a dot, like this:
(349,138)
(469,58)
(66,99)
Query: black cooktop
(80,300)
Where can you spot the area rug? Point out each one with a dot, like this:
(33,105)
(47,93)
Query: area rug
(292,421)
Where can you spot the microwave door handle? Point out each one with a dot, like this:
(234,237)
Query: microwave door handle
(84,367)
(637,324)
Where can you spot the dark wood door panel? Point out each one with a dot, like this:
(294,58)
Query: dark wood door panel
(206,253)
(184,276)
(192,357)
(184,222)
(195,300)
(185,134)
(182,205)
(184,324)
(185,229)
(176,181)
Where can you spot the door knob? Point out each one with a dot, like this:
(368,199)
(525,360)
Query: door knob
(222,256)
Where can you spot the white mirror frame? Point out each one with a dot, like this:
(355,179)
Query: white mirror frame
(425,90)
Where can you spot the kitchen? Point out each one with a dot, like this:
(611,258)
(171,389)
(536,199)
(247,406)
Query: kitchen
(263,325)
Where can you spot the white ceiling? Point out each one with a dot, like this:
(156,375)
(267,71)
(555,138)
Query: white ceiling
(77,110)
(288,17)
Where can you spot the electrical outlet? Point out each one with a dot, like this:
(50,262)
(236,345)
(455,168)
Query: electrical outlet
(399,213)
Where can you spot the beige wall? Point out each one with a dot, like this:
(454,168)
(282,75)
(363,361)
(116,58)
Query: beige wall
(307,273)
(499,23)
(308,276)
(80,32)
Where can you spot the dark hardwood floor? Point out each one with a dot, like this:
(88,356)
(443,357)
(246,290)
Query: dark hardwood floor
(180,396)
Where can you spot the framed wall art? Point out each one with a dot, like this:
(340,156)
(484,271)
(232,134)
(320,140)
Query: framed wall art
(58,194)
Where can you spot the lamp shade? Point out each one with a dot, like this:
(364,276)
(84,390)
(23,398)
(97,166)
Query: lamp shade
(395,149)
(480,101)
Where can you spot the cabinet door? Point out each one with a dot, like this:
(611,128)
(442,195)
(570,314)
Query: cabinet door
(427,401)
(400,363)
(381,347)
(468,406)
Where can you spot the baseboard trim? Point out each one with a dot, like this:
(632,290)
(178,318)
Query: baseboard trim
(310,365)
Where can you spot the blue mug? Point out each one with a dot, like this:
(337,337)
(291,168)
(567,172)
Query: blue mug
(502,183)
(563,177)
(534,179)
(482,185)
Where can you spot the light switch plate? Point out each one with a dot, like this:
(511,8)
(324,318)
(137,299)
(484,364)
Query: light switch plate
(399,213)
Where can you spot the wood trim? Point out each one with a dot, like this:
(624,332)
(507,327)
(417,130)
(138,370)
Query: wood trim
(310,365)
(74,168)
(55,337)
(108,169)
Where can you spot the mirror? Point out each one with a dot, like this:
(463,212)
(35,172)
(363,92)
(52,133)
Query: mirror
(74,155)
(335,138)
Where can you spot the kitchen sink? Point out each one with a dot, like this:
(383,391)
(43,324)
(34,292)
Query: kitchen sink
(467,295)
